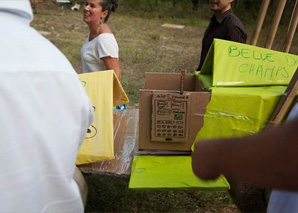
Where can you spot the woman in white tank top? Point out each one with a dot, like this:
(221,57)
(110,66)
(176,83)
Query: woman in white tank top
(100,50)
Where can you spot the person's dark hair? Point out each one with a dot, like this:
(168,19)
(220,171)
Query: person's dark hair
(109,5)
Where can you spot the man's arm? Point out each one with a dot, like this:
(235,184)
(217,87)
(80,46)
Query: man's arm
(268,159)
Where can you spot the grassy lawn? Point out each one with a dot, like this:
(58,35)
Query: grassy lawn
(145,46)
(111,194)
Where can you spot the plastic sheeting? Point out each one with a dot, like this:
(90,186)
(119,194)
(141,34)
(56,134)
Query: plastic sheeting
(125,141)
(160,172)
(236,112)
(236,64)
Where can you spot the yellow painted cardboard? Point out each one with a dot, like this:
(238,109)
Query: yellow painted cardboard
(237,112)
(236,64)
(104,91)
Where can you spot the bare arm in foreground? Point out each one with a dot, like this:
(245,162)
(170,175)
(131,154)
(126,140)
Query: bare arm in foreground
(268,159)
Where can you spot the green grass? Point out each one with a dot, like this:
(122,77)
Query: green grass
(145,46)
(111,194)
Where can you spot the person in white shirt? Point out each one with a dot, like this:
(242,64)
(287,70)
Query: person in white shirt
(100,50)
(45,113)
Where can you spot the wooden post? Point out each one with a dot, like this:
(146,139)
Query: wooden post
(275,23)
(260,21)
(182,77)
(292,28)
(284,102)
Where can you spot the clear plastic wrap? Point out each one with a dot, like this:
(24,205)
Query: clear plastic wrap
(125,141)
(236,112)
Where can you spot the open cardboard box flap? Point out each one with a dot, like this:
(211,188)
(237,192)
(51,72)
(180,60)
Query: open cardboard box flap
(168,84)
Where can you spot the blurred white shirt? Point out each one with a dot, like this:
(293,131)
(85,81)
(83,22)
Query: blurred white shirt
(284,201)
(44,113)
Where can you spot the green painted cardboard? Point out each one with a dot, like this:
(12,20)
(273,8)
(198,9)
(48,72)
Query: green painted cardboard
(236,64)
(169,172)
(205,79)
(238,111)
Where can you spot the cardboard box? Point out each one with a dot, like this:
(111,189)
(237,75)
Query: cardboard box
(161,106)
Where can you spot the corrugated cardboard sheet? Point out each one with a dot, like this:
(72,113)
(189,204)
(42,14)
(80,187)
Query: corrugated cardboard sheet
(168,83)
(149,172)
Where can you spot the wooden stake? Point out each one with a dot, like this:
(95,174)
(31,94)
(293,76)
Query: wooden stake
(275,23)
(284,102)
(292,28)
(260,21)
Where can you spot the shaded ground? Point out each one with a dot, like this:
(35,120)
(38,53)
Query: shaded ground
(111,194)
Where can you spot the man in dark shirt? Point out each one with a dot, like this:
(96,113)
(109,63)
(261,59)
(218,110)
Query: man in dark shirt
(223,25)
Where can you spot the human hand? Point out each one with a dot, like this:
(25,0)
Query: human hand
(204,159)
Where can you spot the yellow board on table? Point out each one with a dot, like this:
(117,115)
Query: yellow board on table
(105,91)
